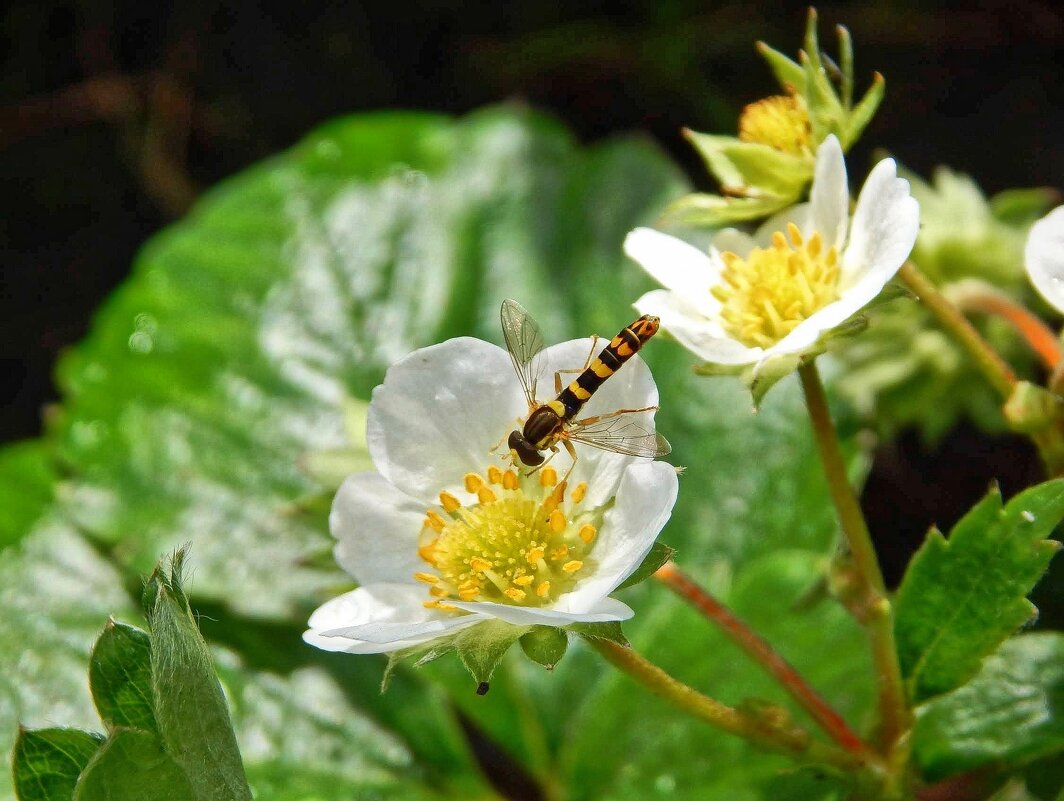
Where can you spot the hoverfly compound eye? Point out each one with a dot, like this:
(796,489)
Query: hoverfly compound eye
(524,450)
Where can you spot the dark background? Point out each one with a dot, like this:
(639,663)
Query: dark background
(114,115)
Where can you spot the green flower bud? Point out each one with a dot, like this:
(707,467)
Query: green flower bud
(545,645)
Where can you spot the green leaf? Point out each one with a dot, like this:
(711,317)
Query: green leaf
(960,598)
(120,678)
(751,168)
(29,477)
(190,708)
(47,762)
(610,631)
(1012,712)
(660,553)
(132,766)
(714,211)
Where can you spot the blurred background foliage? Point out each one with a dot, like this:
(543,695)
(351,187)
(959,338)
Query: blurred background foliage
(116,117)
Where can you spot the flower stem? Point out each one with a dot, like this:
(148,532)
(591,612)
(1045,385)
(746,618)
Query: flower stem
(998,373)
(876,614)
(762,731)
(765,655)
(981,297)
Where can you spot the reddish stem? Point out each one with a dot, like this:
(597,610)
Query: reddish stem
(1039,336)
(764,654)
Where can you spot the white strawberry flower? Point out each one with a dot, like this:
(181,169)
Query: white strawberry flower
(1044,256)
(766,301)
(444,534)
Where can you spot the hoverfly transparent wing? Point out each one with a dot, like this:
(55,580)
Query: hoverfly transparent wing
(621,435)
(524,341)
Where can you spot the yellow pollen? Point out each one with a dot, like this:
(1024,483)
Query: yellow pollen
(587,532)
(780,121)
(769,293)
(495,548)
(438,604)
(449,503)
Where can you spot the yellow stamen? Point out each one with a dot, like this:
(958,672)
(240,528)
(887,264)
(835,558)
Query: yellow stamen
(557,521)
(780,121)
(579,491)
(573,566)
(473,482)
(480,565)
(587,533)
(468,593)
(559,553)
(449,503)
(434,521)
(438,592)
(514,593)
(525,580)
(534,555)
(428,578)
(543,589)
(509,480)
(485,495)
(548,477)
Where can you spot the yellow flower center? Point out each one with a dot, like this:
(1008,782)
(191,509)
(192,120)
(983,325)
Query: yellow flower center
(767,294)
(524,542)
(779,121)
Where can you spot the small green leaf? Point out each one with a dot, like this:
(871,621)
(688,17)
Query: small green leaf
(545,645)
(189,706)
(864,111)
(47,762)
(120,678)
(788,73)
(961,598)
(483,646)
(132,766)
(1011,712)
(660,553)
(714,211)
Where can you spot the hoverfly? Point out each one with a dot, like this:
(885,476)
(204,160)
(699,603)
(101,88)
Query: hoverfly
(555,421)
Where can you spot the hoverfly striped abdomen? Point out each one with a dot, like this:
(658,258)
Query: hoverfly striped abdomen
(621,348)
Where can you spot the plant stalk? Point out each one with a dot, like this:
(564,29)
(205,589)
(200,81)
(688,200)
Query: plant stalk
(762,731)
(765,655)
(876,614)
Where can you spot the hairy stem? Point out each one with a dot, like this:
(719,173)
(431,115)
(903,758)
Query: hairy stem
(1039,337)
(765,655)
(764,732)
(998,373)
(875,612)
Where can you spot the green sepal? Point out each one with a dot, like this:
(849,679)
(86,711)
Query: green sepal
(46,763)
(483,646)
(771,372)
(961,597)
(864,111)
(714,211)
(1031,408)
(120,678)
(133,765)
(752,169)
(610,631)
(789,73)
(545,645)
(1022,207)
(659,554)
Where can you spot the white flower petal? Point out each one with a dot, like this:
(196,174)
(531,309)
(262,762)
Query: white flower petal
(380,618)
(1044,255)
(644,504)
(439,412)
(376,529)
(605,610)
(882,234)
(675,264)
(733,240)
(830,197)
(700,335)
(801,215)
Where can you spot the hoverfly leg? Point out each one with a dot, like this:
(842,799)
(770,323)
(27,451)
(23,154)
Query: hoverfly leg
(587,363)
(572,454)
(598,418)
(497,445)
